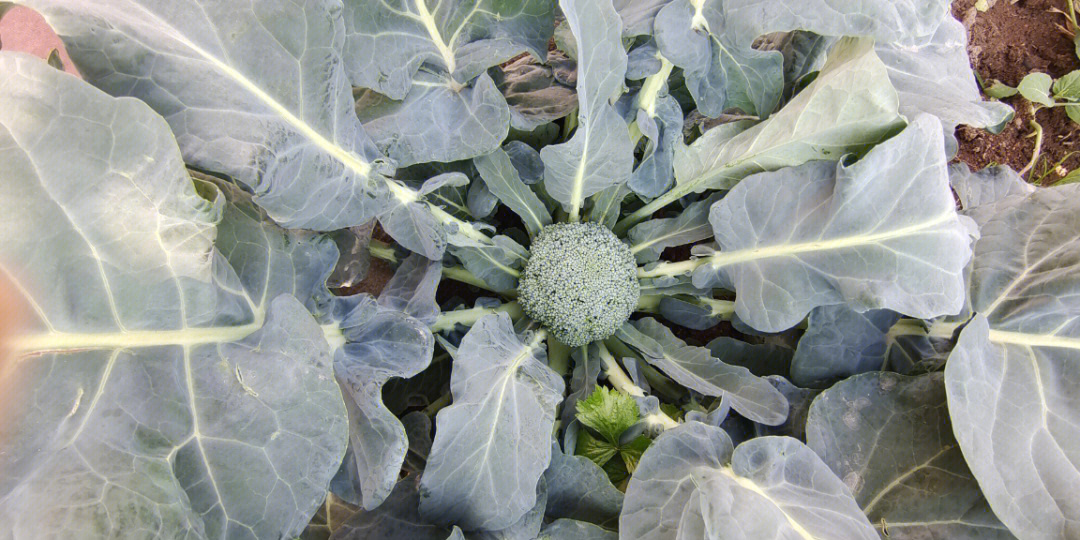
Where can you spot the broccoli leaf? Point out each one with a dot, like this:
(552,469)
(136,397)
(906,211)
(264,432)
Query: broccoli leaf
(380,344)
(649,239)
(692,483)
(840,342)
(568,529)
(525,528)
(436,121)
(388,41)
(889,438)
(496,264)
(638,15)
(1010,380)
(500,176)
(882,233)
(762,359)
(695,368)
(329,518)
(719,74)
(599,154)
(270,105)
(162,386)
(934,76)
(412,289)
(396,519)
(607,205)
(534,94)
(713,41)
(578,489)
(852,106)
(494,442)
(986,186)
(450,109)
(849,107)
(582,380)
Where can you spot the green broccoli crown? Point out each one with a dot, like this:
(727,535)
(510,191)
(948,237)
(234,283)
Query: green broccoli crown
(580,282)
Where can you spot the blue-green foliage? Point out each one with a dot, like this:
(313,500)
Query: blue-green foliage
(683,202)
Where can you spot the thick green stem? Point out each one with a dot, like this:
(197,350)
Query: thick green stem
(459,273)
(649,303)
(916,327)
(449,320)
(435,406)
(558,356)
(635,135)
(671,269)
(615,374)
(659,382)
(1038,131)
(720,308)
(383,251)
(675,193)
(653,85)
(622,382)
(570,123)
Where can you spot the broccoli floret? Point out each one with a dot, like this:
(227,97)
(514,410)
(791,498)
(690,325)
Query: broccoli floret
(580,282)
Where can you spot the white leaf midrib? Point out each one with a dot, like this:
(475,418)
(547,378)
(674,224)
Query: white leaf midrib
(725,258)
(55,342)
(350,160)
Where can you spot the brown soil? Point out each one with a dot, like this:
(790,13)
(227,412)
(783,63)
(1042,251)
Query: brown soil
(1006,42)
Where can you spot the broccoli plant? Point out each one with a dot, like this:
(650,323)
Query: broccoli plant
(662,269)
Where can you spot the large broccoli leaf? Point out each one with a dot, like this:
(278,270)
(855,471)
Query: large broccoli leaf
(1011,379)
(397,519)
(579,489)
(849,107)
(379,344)
(933,75)
(437,121)
(428,58)
(494,442)
(711,40)
(163,387)
(247,91)
(389,41)
(840,342)
(599,154)
(881,233)
(888,437)
(692,483)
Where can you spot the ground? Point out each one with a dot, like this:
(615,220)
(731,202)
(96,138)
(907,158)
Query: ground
(1008,41)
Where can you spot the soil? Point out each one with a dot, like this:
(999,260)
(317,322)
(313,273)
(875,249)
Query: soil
(1006,42)
(378,274)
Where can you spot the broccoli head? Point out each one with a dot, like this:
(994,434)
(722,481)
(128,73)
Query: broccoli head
(580,282)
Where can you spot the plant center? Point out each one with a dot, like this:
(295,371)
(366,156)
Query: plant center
(580,282)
